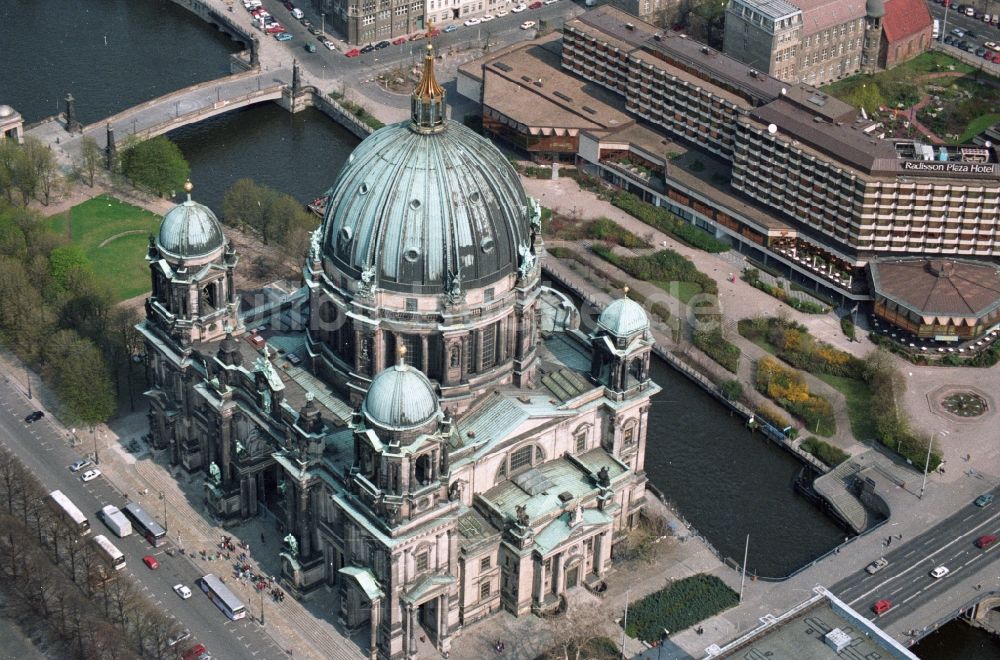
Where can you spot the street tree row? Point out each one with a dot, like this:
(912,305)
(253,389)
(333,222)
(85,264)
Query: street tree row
(55,580)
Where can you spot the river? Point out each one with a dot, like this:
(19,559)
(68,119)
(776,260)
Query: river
(725,481)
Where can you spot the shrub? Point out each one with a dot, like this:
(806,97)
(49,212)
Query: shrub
(718,348)
(732,389)
(679,605)
(792,342)
(668,223)
(824,451)
(789,390)
(773,416)
(847,327)
(604,229)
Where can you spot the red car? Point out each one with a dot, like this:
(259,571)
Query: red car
(354,52)
(398,40)
(274,28)
(984,542)
(882,606)
(151,562)
(535,5)
(195,652)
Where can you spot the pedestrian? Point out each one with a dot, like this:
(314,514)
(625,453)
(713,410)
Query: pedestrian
(262,538)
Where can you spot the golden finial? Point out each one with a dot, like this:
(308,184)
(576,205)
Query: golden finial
(188,186)
(401,356)
(428,87)
(626,291)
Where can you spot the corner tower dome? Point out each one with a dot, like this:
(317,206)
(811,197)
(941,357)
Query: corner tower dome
(400,398)
(623,317)
(190,230)
(427,202)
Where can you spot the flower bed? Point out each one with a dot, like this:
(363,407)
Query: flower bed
(789,390)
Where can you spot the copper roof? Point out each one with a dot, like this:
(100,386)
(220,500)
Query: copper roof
(938,287)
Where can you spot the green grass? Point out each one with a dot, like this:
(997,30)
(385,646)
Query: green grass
(859,396)
(121,263)
(977,126)
(679,605)
(683,291)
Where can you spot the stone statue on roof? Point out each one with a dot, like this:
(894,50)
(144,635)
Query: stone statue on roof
(314,243)
(455,293)
(292,543)
(215,472)
(367,283)
(603,477)
(528,261)
(522,515)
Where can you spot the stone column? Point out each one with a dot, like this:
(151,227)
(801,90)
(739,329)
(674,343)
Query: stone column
(378,350)
(376,612)
(452,551)
(225,440)
(599,554)
(539,581)
(358,345)
(558,573)
(411,632)
(463,358)
(424,360)
(301,517)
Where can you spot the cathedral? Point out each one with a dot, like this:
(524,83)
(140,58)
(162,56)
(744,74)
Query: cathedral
(437,437)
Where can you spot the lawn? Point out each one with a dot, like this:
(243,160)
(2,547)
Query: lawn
(859,398)
(679,605)
(114,236)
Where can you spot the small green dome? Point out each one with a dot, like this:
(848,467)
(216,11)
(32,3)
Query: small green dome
(400,398)
(623,318)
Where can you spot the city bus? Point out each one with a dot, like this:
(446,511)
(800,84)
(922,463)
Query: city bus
(109,552)
(223,598)
(145,524)
(73,515)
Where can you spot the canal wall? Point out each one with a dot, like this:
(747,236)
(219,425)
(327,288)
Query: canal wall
(220,20)
(338,113)
(770,432)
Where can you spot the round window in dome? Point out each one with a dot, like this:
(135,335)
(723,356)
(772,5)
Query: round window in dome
(344,237)
(414,204)
(411,255)
(363,189)
(486,244)
(474,197)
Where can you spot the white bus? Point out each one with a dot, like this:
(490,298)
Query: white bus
(223,598)
(109,552)
(73,515)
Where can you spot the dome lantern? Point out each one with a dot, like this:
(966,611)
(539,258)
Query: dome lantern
(427,100)
(190,230)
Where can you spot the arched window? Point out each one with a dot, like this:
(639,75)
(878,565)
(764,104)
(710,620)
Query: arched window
(520,458)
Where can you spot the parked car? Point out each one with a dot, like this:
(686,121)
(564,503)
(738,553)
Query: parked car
(984,500)
(196,652)
(368,48)
(882,606)
(182,591)
(992,45)
(80,464)
(527,25)
(283,36)
(949,40)
(90,475)
(451,28)
(33,417)
(939,572)
(877,565)
(354,52)
(398,40)
(383,44)
(535,5)
(471,21)
(311,47)
(518,9)
(329,44)
(980,52)
(985,541)
(418,35)
(551,2)
(502,13)
(486,18)
(958,32)
(150,562)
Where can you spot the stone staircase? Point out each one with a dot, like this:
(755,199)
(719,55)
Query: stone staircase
(836,488)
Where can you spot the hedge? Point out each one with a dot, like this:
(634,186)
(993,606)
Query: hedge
(824,451)
(847,327)
(668,223)
(731,389)
(752,278)
(679,606)
(793,343)
(662,266)
(718,348)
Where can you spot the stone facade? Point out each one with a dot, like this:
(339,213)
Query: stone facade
(491,467)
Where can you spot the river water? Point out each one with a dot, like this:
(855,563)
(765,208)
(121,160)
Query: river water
(725,481)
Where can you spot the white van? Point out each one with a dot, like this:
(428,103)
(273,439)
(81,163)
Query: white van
(297,13)
(936,30)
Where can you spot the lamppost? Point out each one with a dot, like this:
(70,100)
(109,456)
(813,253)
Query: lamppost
(166,527)
(927,462)
(93,432)
(261,607)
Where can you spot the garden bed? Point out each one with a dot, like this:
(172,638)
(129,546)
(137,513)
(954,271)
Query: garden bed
(788,389)
(679,606)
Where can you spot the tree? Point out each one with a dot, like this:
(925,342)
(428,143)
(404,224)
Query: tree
(80,377)
(580,626)
(277,217)
(156,163)
(90,158)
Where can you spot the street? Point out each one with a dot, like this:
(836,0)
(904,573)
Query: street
(906,581)
(46,453)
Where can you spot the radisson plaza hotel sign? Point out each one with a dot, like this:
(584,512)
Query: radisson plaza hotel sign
(938,167)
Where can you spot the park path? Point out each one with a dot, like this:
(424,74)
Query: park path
(911,115)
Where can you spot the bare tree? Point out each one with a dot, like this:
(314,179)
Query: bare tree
(90,158)
(579,626)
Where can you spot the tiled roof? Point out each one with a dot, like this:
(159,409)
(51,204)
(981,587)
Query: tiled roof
(904,18)
(943,288)
(818,15)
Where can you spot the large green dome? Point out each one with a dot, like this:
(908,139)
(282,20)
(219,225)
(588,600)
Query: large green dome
(424,202)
